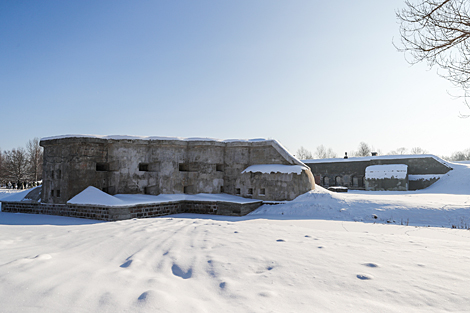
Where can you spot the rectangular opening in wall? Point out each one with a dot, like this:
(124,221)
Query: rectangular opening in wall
(105,189)
(52,174)
(59,174)
(102,167)
(221,189)
(250,191)
(188,189)
(143,167)
(219,167)
(184,167)
(262,192)
(57,193)
(52,192)
(237,191)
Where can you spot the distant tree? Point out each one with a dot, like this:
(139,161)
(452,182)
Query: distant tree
(363,150)
(460,155)
(16,165)
(35,155)
(418,150)
(324,153)
(401,150)
(438,32)
(304,154)
(2,168)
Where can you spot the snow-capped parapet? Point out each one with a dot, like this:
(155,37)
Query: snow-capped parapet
(255,141)
(129,137)
(389,171)
(381,157)
(275,168)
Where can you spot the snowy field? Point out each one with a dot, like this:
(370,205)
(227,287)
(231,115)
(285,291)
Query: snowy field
(323,252)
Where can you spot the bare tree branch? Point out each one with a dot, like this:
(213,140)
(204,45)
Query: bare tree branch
(437,32)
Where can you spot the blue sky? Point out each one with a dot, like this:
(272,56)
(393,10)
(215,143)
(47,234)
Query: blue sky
(302,72)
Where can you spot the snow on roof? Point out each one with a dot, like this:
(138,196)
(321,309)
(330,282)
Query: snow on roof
(275,168)
(381,157)
(128,137)
(276,144)
(397,171)
(94,196)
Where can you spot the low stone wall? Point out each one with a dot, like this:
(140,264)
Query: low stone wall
(134,211)
(91,212)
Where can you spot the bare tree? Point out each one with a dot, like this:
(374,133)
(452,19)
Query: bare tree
(401,150)
(2,168)
(34,151)
(460,155)
(324,153)
(437,32)
(16,165)
(363,150)
(418,150)
(304,154)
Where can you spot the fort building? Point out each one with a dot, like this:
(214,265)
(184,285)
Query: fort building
(374,173)
(163,175)
(160,165)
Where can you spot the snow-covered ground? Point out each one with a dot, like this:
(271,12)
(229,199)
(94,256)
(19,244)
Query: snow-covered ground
(444,204)
(308,255)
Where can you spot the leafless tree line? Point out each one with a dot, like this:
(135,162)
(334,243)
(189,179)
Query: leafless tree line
(21,166)
(463,155)
(364,149)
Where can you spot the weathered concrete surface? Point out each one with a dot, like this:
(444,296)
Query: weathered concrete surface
(130,166)
(390,184)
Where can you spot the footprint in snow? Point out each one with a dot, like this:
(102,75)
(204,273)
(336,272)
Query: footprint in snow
(280,240)
(126,264)
(370,265)
(106,299)
(222,285)
(177,271)
(145,295)
(43,257)
(364,276)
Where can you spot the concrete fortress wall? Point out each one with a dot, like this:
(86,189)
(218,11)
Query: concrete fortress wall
(351,172)
(167,166)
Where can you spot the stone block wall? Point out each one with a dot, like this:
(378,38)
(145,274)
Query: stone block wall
(128,212)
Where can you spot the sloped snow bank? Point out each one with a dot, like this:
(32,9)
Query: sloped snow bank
(444,204)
